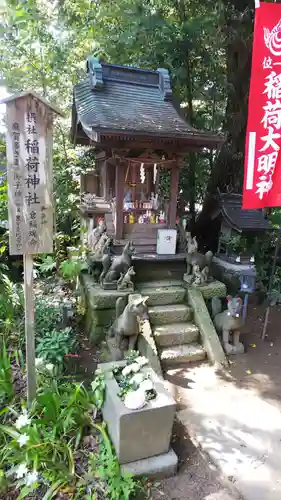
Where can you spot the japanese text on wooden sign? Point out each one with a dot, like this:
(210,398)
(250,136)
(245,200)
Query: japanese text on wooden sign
(29,157)
(262,186)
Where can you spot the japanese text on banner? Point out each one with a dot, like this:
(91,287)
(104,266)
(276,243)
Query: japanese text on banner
(263,156)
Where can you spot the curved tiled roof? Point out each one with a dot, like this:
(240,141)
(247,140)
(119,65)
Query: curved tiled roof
(239,219)
(131,100)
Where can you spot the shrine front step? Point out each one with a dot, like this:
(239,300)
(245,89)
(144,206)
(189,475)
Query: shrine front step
(179,355)
(175,334)
(167,314)
(163,294)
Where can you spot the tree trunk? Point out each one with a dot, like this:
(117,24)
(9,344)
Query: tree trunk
(227,173)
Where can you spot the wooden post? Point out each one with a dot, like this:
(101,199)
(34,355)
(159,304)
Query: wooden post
(30,198)
(119,193)
(175,174)
(29,327)
(149,180)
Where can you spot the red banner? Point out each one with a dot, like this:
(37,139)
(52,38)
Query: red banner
(262,175)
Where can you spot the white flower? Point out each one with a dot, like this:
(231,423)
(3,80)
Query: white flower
(135,400)
(132,368)
(39,362)
(22,420)
(135,367)
(23,439)
(146,385)
(49,367)
(137,378)
(31,478)
(141,360)
(21,471)
(127,370)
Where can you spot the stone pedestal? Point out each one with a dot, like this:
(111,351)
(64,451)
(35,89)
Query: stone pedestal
(138,434)
(209,290)
(158,467)
(99,307)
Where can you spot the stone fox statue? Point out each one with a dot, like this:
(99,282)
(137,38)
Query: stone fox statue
(194,258)
(120,264)
(229,323)
(122,335)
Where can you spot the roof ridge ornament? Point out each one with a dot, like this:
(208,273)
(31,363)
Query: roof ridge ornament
(94,70)
(165,84)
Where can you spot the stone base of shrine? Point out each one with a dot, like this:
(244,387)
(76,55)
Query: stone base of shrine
(209,290)
(157,467)
(99,307)
(154,267)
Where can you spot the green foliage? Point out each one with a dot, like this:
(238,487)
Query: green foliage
(72,267)
(240,243)
(6,383)
(119,486)
(47,265)
(45,48)
(98,388)
(11,307)
(52,432)
(55,345)
(48,315)
(47,448)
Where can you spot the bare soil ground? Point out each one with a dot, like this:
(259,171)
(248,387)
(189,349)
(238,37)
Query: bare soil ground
(258,369)
(197,478)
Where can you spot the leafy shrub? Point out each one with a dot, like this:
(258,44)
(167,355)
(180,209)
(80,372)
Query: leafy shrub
(47,265)
(6,382)
(71,268)
(11,307)
(48,315)
(119,486)
(58,447)
(54,345)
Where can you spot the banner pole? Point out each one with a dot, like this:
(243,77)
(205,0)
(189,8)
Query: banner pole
(273,269)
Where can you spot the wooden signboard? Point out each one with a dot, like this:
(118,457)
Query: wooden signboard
(29,160)
(29,120)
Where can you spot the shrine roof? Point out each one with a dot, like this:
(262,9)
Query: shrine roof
(122,100)
(239,219)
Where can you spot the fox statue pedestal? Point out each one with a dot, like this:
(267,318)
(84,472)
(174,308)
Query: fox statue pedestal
(141,437)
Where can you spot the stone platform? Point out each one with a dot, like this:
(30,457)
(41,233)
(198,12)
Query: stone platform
(209,290)
(100,307)
(158,467)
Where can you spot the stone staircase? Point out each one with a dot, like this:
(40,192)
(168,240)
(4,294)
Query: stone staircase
(176,336)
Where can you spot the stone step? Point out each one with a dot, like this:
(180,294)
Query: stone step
(181,354)
(161,284)
(163,295)
(174,313)
(175,334)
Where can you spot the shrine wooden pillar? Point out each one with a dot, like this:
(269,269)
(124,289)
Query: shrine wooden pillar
(104,175)
(175,175)
(119,194)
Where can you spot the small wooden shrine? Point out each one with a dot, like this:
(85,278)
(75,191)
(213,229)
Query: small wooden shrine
(233,227)
(128,115)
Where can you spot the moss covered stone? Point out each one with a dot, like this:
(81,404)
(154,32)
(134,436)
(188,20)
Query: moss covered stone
(97,297)
(212,289)
(204,322)
(161,295)
(97,323)
(174,313)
